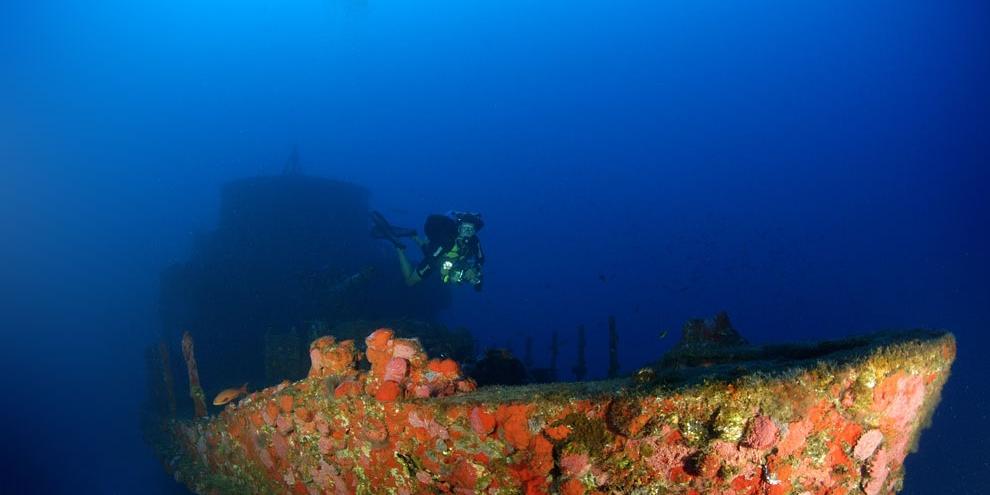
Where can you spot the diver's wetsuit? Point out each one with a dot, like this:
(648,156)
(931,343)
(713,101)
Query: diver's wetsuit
(452,259)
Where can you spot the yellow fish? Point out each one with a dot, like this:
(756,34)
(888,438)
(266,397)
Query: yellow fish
(229,395)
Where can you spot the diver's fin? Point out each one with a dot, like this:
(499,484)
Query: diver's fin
(383,224)
(378,233)
(403,231)
(383,230)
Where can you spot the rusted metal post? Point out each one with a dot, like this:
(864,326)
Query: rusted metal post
(195,390)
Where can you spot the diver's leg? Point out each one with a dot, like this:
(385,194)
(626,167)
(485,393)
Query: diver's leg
(408,273)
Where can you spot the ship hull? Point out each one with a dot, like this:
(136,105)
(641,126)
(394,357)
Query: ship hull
(833,418)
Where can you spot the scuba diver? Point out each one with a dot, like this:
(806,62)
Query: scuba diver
(451,247)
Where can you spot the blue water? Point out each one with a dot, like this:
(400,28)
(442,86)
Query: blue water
(815,169)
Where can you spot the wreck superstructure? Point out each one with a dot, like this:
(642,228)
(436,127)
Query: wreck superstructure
(289,255)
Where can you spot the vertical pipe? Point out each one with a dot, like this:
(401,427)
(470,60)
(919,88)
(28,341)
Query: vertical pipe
(195,390)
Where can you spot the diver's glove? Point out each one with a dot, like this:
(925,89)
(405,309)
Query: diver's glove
(474,276)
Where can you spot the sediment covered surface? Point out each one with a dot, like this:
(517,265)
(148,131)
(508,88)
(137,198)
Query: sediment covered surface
(833,418)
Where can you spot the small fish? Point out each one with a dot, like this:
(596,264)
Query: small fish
(663,333)
(770,477)
(601,276)
(229,395)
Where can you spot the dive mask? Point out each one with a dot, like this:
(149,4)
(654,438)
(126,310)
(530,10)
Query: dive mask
(466,230)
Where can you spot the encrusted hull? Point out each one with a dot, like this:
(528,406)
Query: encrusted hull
(833,418)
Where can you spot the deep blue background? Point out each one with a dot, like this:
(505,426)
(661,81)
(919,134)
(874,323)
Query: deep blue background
(815,169)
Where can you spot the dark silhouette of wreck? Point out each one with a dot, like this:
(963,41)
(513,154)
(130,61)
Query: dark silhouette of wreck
(290,257)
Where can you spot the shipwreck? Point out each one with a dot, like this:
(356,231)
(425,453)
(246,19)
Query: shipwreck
(714,416)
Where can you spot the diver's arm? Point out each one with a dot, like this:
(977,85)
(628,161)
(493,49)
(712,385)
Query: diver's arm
(411,276)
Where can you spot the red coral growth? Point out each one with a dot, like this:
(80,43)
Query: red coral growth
(482,422)
(421,391)
(679,475)
(534,487)
(379,349)
(373,429)
(379,339)
(347,388)
(283,424)
(797,433)
(709,466)
(867,444)
(399,361)
(429,425)
(514,424)
(388,392)
(408,349)
(402,361)
(466,385)
(899,399)
(396,369)
(664,451)
(849,434)
(304,414)
(557,433)
(572,487)
(464,475)
(285,403)
(269,413)
(256,419)
(281,445)
(878,469)
(542,455)
(761,433)
(448,368)
(331,359)
(575,465)
(746,483)
(234,428)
